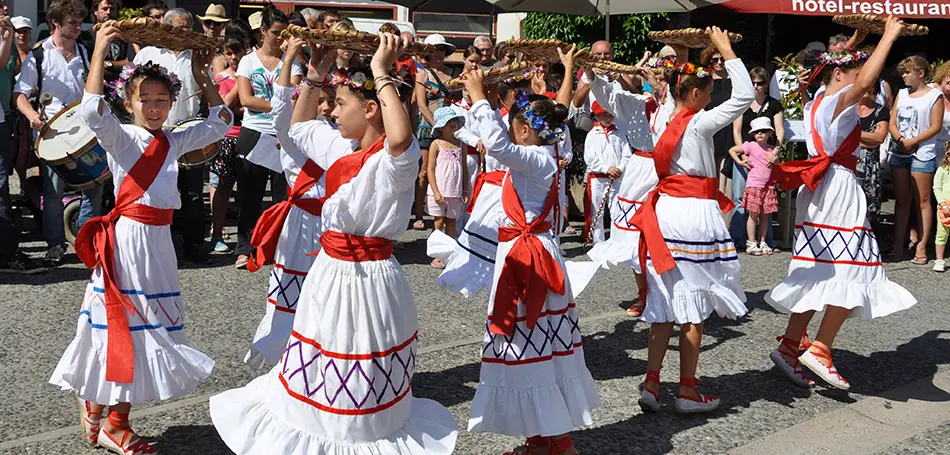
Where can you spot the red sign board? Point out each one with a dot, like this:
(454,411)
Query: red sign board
(933,9)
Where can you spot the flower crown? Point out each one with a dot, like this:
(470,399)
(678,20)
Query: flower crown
(527,75)
(541,126)
(665,62)
(842,58)
(149,69)
(359,81)
(687,69)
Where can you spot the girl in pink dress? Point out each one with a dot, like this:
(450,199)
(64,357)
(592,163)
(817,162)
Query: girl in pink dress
(446,168)
(760,197)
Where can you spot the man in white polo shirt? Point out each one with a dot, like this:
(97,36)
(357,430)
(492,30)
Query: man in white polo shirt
(189,220)
(62,74)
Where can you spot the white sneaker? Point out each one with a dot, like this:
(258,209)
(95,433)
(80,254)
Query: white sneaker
(690,405)
(796,375)
(130,444)
(828,373)
(648,401)
(940,266)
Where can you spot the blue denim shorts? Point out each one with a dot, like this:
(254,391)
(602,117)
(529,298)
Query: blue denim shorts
(911,162)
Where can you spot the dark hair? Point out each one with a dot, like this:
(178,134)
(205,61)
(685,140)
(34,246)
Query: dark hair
(681,84)
(297,19)
(117,4)
(829,70)
(235,44)
(152,5)
(238,29)
(759,72)
(390,27)
(328,13)
(553,113)
(469,51)
(60,9)
(271,15)
(404,90)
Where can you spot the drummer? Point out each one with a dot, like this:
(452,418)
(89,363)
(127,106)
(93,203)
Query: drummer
(62,74)
(189,219)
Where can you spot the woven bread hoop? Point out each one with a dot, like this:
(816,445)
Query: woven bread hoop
(150,32)
(696,38)
(493,75)
(875,24)
(351,40)
(546,49)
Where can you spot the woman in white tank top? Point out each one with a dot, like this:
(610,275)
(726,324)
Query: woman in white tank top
(916,121)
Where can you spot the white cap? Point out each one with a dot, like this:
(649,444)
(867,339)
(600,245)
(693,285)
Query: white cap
(436,39)
(759,124)
(21,22)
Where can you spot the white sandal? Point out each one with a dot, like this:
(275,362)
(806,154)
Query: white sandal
(752,248)
(829,373)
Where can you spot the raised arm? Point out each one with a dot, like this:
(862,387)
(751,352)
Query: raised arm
(317,69)
(742,91)
(395,117)
(6,39)
(622,104)
(567,84)
(872,68)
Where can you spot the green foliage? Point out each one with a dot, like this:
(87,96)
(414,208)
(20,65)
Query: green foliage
(130,13)
(628,32)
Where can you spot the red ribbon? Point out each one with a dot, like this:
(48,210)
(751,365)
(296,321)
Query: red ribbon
(589,202)
(643,154)
(494,177)
(529,270)
(95,246)
(266,233)
(680,185)
(793,174)
(355,248)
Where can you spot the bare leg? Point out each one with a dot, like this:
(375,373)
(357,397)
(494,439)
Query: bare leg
(830,325)
(691,338)
(797,324)
(902,201)
(450,227)
(763,227)
(659,342)
(923,182)
(751,218)
(440,223)
(940,250)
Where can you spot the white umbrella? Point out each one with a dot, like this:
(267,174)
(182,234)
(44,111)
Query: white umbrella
(602,7)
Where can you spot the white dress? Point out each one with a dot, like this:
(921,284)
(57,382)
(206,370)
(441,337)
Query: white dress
(604,148)
(344,382)
(639,176)
(706,276)
(146,272)
(535,381)
(299,237)
(836,259)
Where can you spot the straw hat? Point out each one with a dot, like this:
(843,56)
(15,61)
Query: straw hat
(255,20)
(215,13)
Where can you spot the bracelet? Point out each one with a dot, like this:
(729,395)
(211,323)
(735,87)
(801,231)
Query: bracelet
(385,84)
(384,78)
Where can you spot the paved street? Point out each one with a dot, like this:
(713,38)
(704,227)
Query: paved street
(898,367)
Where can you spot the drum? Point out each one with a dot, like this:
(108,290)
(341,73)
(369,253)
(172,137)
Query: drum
(71,150)
(195,158)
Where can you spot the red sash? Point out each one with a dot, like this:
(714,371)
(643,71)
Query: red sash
(352,247)
(589,201)
(680,185)
(793,174)
(529,270)
(266,233)
(494,177)
(643,154)
(95,245)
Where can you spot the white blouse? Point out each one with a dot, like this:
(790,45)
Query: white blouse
(629,109)
(833,131)
(532,168)
(695,154)
(125,144)
(292,159)
(377,202)
(605,150)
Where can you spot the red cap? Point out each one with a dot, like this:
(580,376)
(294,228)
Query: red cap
(597,109)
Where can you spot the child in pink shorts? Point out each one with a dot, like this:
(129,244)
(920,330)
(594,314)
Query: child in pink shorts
(447,173)
(761,197)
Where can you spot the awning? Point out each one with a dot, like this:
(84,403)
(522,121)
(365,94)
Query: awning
(933,9)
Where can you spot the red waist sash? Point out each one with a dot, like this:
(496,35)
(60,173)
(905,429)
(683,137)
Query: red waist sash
(494,177)
(589,202)
(355,248)
(651,238)
(643,154)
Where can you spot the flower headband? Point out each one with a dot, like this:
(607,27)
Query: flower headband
(359,81)
(149,69)
(687,69)
(544,130)
(665,62)
(842,58)
(527,75)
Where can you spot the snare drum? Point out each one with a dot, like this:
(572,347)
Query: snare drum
(71,150)
(195,158)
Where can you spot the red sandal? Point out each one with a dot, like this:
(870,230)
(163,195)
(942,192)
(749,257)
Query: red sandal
(129,444)
(788,349)
(90,420)
(686,404)
(640,304)
(811,360)
(533,443)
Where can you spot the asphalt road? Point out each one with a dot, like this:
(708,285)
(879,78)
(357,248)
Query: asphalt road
(224,306)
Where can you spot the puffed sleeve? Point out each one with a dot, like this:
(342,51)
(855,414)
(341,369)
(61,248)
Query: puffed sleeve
(397,175)
(320,142)
(742,96)
(98,116)
(494,134)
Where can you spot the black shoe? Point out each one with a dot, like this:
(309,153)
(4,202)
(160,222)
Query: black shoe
(54,255)
(22,265)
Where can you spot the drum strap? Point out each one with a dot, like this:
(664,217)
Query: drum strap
(38,56)
(95,246)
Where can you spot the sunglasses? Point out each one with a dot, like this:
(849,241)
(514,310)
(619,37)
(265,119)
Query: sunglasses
(210,23)
(717,60)
(760,83)
(762,132)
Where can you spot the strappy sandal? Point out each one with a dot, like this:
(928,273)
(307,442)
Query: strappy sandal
(686,404)
(811,360)
(129,444)
(752,248)
(765,249)
(919,260)
(564,445)
(649,400)
(535,445)
(90,420)
(640,304)
(788,349)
